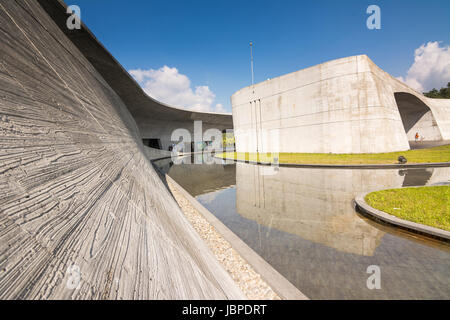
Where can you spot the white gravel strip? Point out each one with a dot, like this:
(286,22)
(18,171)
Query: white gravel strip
(250,282)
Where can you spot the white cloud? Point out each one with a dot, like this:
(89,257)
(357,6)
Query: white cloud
(431,67)
(169,86)
(220,108)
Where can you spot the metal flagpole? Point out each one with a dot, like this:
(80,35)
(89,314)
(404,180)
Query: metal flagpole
(251,56)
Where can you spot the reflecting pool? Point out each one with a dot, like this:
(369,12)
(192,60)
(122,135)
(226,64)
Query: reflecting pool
(303,222)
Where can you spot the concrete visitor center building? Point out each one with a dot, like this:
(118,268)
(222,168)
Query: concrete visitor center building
(347,105)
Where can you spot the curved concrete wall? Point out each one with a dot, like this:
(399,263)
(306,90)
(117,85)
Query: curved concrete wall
(79,200)
(155,120)
(342,106)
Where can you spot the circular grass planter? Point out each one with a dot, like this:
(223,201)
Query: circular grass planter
(363,207)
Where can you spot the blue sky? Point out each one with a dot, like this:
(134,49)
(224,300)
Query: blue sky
(208,41)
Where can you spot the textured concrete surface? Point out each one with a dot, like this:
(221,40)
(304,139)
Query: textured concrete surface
(83,214)
(155,120)
(347,105)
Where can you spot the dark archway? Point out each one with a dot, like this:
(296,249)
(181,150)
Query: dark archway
(152,143)
(417,118)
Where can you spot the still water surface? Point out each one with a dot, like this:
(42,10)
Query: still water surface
(303,222)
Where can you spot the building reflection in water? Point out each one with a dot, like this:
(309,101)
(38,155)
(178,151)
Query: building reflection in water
(316,204)
(303,223)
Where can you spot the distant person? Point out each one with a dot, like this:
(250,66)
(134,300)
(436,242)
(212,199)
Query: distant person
(417,136)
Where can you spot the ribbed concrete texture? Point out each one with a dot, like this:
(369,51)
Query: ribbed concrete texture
(347,105)
(83,215)
(155,120)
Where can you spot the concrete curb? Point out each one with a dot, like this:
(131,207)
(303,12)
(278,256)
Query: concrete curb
(278,282)
(387,218)
(349,166)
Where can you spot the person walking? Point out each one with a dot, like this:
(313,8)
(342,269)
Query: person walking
(417,136)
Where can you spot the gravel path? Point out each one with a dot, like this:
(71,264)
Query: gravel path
(250,282)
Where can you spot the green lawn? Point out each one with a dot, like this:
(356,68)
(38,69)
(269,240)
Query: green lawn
(436,154)
(425,205)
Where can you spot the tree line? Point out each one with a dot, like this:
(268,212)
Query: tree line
(443,93)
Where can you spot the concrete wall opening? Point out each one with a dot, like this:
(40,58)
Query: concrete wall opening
(152,143)
(417,118)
